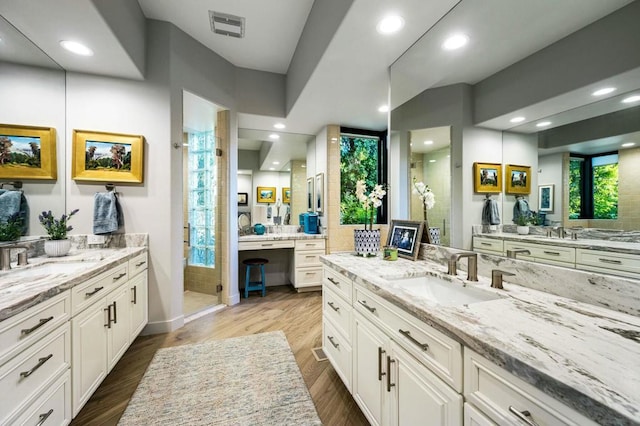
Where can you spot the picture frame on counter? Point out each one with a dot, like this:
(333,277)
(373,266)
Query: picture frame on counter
(545,198)
(107,157)
(406,236)
(27,152)
(487,177)
(266,194)
(518,179)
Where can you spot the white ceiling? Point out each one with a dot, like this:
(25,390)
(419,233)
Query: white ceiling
(352,77)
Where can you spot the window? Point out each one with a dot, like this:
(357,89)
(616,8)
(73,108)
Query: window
(593,186)
(363,156)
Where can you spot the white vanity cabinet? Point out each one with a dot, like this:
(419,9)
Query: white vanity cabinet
(488,245)
(544,253)
(503,398)
(624,264)
(307,269)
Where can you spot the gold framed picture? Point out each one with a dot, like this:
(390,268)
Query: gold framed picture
(266,194)
(518,179)
(286,195)
(107,157)
(487,177)
(27,152)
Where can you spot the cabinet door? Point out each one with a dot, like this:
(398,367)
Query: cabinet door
(474,417)
(138,300)
(418,395)
(119,304)
(89,343)
(369,369)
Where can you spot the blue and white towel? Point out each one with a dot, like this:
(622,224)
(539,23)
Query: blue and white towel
(490,213)
(107,215)
(12,202)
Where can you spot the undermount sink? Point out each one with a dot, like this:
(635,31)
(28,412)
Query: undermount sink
(444,292)
(49,268)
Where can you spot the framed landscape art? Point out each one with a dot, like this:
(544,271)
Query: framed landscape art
(27,152)
(266,194)
(487,177)
(518,179)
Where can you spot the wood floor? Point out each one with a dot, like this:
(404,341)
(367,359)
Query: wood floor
(299,315)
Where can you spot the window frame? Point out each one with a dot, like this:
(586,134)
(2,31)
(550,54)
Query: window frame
(587,207)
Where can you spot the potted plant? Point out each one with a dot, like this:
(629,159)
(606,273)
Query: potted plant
(57,244)
(11,230)
(367,241)
(522,223)
(428,198)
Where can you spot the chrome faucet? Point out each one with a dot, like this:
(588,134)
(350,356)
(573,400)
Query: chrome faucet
(560,230)
(472,269)
(513,253)
(5,256)
(496,277)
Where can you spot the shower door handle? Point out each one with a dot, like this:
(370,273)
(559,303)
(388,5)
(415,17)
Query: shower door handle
(188,228)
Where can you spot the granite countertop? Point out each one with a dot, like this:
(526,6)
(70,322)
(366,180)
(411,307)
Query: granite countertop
(585,356)
(20,289)
(593,244)
(281,236)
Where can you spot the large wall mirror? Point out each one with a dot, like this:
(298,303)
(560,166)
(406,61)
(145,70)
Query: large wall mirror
(33,94)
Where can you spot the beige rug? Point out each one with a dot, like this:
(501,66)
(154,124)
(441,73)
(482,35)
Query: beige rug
(252,380)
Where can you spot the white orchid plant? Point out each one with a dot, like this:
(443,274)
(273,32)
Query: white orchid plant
(370,201)
(426,196)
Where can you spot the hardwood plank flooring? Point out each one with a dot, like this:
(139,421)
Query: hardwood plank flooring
(298,315)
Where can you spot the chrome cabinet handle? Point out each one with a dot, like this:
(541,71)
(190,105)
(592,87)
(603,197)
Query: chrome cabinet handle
(407,334)
(335,345)
(333,281)
(333,306)
(119,276)
(95,290)
(43,417)
(108,311)
(369,308)
(380,372)
(43,321)
(615,262)
(389,384)
(485,244)
(140,263)
(115,313)
(40,363)
(524,415)
(554,253)
(135,295)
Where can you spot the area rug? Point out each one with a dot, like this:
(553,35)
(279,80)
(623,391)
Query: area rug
(251,380)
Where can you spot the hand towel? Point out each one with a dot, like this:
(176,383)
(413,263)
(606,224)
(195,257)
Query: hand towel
(521,208)
(107,215)
(9,203)
(490,213)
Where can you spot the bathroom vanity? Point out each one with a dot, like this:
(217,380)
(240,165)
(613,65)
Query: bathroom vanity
(64,323)
(410,341)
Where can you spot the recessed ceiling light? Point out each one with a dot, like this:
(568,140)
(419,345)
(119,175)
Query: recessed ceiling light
(77,48)
(454,42)
(383,108)
(604,91)
(390,24)
(517,119)
(271,168)
(279,126)
(628,144)
(275,163)
(304,166)
(428,142)
(543,124)
(630,99)
(274,136)
(432,161)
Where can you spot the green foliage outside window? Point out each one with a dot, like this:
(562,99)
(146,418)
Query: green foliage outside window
(605,191)
(358,161)
(575,188)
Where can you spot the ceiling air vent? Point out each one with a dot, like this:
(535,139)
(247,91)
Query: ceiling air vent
(225,24)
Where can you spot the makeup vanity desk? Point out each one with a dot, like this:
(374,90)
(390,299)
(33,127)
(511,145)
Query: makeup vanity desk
(293,258)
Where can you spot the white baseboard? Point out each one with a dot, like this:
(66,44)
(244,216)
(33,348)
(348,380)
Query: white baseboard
(159,327)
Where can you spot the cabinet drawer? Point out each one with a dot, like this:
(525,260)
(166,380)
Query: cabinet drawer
(138,264)
(629,264)
(93,290)
(28,327)
(440,353)
(341,284)
(315,244)
(543,252)
(338,311)
(265,245)
(308,277)
(28,374)
(488,244)
(308,258)
(499,394)
(51,408)
(338,351)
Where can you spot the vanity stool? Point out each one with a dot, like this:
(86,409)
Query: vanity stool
(249,285)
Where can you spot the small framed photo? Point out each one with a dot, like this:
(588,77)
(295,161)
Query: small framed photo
(27,152)
(319,192)
(310,194)
(518,179)
(487,177)
(545,198)
(266,194)
(243,198)
(406,236)
(286,195)
(107,157)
